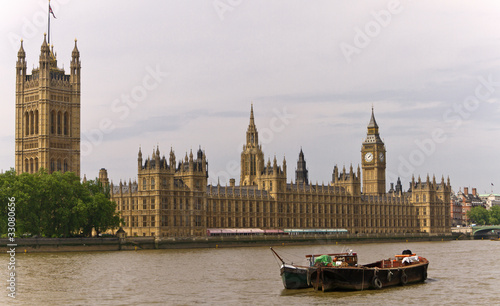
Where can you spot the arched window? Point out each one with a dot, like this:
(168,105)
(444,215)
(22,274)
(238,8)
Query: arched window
(36,121)
(52,166)
(32,123)
(52,122)
(59,165)
(36,164)
(66,123)
(144,184)
(58,123)
(27,124)
(65,169)
(26,165)
(32,166)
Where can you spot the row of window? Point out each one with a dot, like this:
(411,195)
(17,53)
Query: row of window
(164,182)
(221,206)
(266,207)
(221,222)
(59,123)
(150,221)
(178,203)
(184,221)
(31,165)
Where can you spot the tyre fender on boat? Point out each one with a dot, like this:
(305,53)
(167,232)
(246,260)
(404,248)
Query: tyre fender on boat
(389,275)
(376,282)
(404,278)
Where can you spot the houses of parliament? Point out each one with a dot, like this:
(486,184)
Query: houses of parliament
(172,197)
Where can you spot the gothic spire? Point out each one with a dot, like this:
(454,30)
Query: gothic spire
(75,52)
(252,135)
(372,135)
(372,123)
(251,115)
(301,174)
(21,53)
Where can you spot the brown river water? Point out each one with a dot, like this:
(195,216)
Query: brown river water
(460,273)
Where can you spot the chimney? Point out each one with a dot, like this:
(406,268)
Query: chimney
(474,191)
(466,190)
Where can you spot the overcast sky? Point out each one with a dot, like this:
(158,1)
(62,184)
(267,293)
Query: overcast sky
(183,74)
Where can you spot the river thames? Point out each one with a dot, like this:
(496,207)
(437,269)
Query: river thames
(460,272)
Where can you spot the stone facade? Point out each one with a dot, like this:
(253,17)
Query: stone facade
(172,200)
(47,114)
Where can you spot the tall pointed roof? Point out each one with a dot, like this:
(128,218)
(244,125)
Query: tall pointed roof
(45,49)
(75,52)
(373,123)
(252,135)
(21,52)
(372,136)
(252,123)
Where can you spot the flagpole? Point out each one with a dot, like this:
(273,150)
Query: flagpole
(48,11)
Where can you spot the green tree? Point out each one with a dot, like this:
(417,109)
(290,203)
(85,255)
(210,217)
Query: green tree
(100,212)
(495,215)
(56,205)
(7,181)
(478,215)
(29,204)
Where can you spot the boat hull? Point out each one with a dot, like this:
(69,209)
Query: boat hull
(362,278)
(294,277)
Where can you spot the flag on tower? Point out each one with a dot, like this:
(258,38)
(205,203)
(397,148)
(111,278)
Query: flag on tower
(52,12)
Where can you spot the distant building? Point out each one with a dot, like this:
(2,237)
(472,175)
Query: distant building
(456,210)
(468,201)
(490,200)
(173,199)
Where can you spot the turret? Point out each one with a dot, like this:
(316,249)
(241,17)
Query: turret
(75,66)
(301,174)
(139,160)
(103,177)
(44,62)
(157,158)
(399,187)
(172,159)
(20,67)
(335,175)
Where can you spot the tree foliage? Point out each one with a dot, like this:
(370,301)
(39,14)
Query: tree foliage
(482,216)
(495,215)
(56,205)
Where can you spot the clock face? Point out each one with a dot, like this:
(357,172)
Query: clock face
(369,157)
(381,156)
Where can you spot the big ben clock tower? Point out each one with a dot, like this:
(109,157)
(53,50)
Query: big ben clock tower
(373,160)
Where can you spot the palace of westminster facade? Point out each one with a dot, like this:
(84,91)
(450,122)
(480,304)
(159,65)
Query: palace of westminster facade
(171,197)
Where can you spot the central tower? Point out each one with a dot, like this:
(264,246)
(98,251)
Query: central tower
(373,160)
(252,157)
(48,114)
